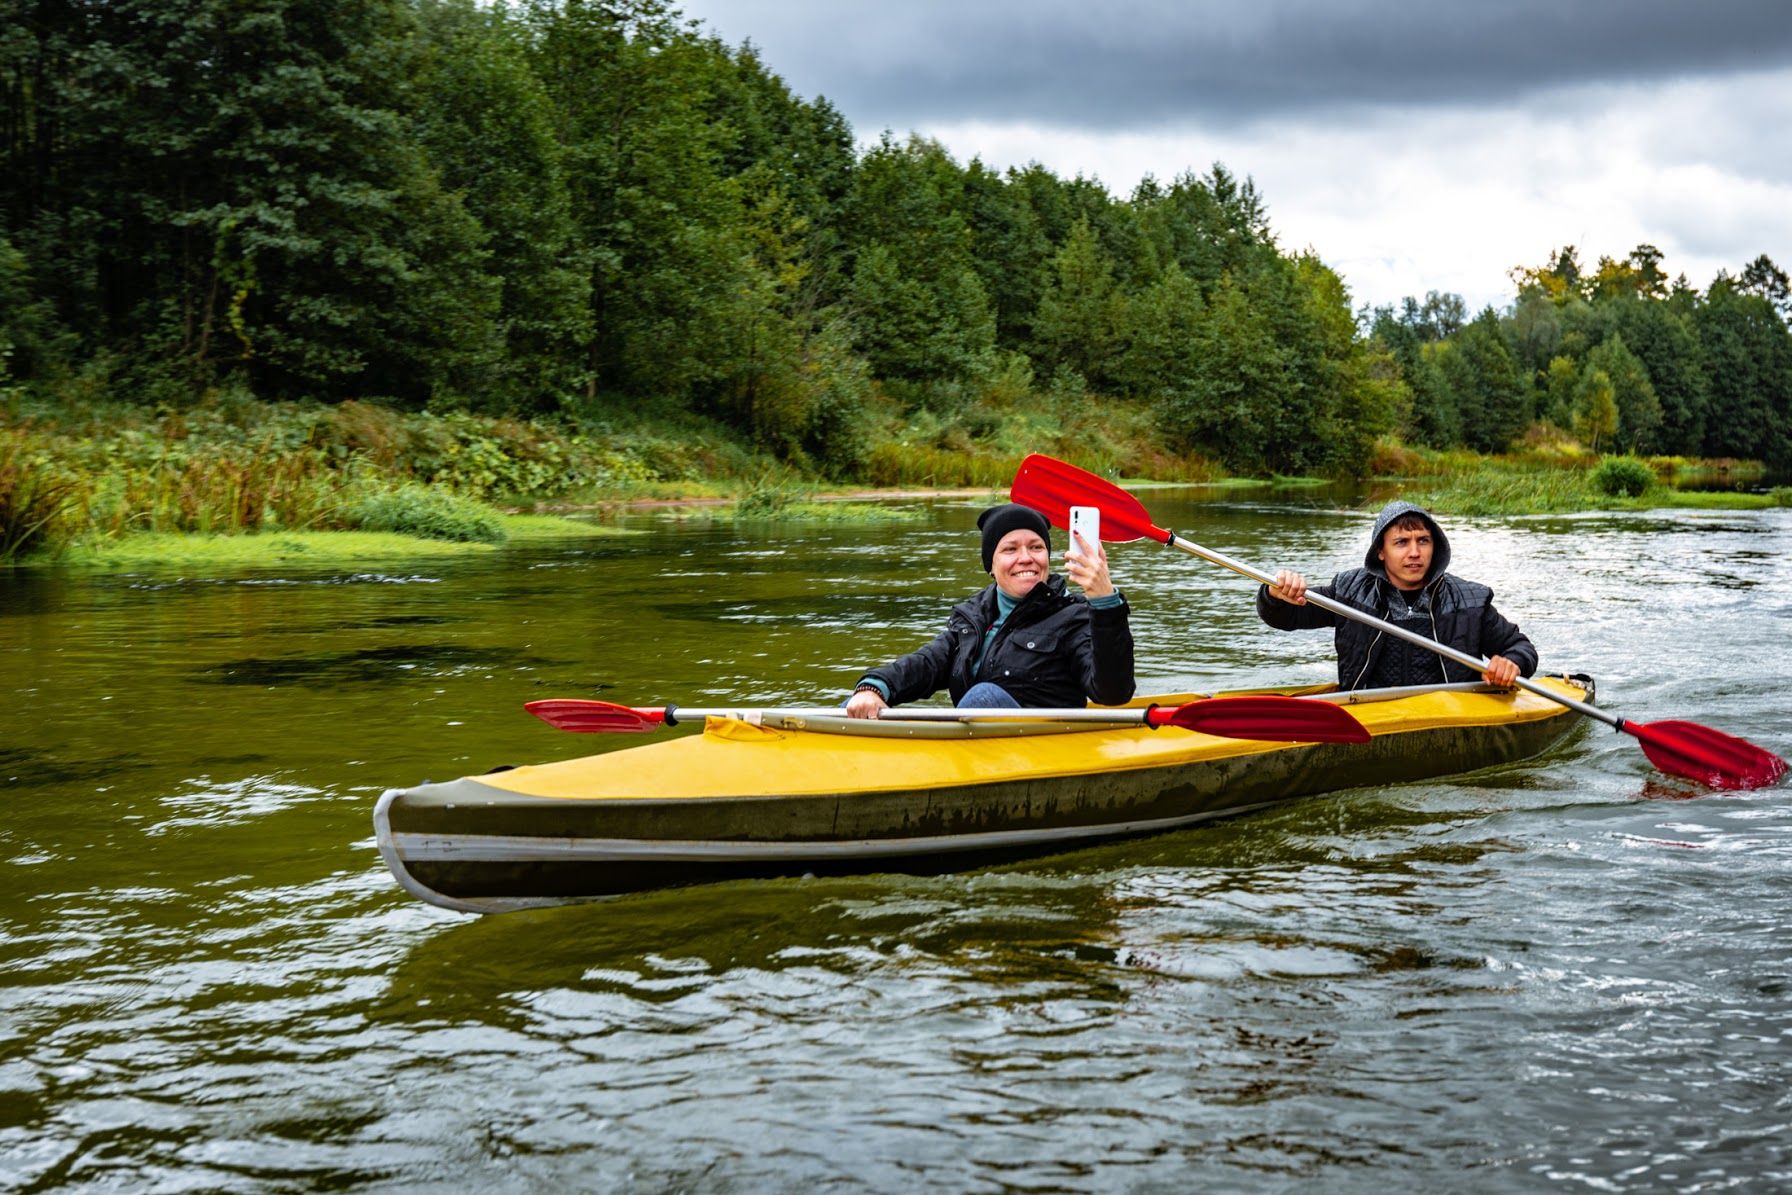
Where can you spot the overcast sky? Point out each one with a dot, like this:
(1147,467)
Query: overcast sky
(1415,146)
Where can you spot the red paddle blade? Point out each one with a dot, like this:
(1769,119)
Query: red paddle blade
(595,717)
(1266,716)
(1052,487)
(1708,756)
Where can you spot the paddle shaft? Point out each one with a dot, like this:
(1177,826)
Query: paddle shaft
(1388,628)
(1266,716)
(678,713)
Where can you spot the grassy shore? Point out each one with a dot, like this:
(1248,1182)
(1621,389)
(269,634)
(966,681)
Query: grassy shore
(1522,483)
(245,484)
(1493,492)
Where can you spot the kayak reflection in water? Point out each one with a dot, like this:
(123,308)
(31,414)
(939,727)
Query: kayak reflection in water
(1404,581)
(1023,642)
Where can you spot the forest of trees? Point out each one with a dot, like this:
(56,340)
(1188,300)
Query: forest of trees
(1619,356)
(566,207)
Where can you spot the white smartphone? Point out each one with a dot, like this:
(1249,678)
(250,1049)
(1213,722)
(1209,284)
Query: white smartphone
(1086,521)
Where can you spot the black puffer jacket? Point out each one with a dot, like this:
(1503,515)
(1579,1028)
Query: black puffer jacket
(1054,651)
(1446,608)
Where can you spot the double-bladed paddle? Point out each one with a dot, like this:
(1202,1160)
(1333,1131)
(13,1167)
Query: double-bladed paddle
(1687,749)
(1247,716)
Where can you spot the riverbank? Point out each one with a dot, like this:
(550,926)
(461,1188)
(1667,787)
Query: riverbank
(246,484)
(1505,486)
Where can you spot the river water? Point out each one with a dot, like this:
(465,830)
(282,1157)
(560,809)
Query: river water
(1568,974)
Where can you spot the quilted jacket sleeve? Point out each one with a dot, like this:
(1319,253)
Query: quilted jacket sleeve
(1285,616)
(1501,637)
(1108,673)
(925,671)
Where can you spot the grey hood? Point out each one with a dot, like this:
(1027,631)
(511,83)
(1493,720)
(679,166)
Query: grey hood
(1440,543)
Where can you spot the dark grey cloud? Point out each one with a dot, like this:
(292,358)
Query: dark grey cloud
(1146,63)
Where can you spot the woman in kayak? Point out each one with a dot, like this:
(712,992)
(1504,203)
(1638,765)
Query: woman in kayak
(1023,642)
(1404,581)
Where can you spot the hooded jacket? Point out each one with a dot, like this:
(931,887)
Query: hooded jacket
(1054,651)
(1445,608)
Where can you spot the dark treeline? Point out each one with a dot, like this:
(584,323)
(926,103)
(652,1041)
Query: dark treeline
(560,207)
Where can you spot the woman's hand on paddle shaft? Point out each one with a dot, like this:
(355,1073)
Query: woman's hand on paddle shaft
(866,703)
(1087,565)
(1500,671)
(1290,587)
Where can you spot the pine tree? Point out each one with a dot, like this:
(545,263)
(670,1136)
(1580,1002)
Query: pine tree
(1081,316)
(1639,412)
(488,127)
(1748,351)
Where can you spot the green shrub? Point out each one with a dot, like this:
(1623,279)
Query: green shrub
(1781,495)
(767,499)
(483,456)
(419,510)
(1622,476)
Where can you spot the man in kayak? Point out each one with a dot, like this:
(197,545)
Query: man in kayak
(1023,642)
(1404,580)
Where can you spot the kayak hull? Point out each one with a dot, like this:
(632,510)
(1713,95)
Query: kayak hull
(743,801)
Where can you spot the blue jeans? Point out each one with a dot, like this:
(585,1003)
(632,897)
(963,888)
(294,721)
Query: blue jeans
(986,696)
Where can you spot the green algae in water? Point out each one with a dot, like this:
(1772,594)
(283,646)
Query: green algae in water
(155,550)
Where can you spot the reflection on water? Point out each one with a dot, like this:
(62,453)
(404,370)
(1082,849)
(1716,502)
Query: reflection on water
(1570,973)
(365,666)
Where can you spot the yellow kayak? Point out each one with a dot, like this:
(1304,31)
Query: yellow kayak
(834,795)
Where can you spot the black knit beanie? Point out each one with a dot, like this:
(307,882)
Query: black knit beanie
(998,521)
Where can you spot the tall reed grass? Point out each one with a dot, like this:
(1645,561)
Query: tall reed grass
(35,498)
(216,493)
(1502,489)
(909,465)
